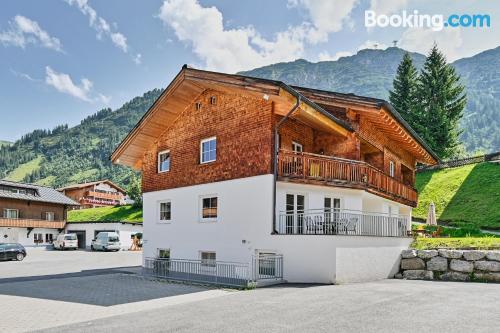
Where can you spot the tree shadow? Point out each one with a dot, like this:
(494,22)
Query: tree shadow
(102,287)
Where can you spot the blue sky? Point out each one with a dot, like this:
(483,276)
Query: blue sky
(62,60)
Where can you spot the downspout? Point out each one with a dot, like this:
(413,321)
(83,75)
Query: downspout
(276,148)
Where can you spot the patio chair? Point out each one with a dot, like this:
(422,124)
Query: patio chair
(351,225)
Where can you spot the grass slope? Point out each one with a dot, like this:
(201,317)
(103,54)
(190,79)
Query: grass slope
(126,213)
(24,169)
(464,195)
(484,243)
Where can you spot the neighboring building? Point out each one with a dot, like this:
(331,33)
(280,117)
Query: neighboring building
(236,168)
(87,231)
(95,194)
(30,214)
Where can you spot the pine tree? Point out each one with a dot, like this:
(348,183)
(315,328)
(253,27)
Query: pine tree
(441,101)
(403,97)
(134,190)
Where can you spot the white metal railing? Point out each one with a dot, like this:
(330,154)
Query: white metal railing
(342,222)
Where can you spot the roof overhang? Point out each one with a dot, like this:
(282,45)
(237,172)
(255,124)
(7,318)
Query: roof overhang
(190,83)
(382,115)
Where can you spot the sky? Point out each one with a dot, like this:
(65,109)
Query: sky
(62,60)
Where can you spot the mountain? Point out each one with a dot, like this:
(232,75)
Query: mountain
(70,155)
(66,155)
(370,73)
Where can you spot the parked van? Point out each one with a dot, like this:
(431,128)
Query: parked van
(106,241)
(66,241)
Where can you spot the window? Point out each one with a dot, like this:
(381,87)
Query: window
(213,100)
(163,253)
(297,147)
(10,213)
(208,150)
(49,238)
(391,168)
(163,161)
(38,238)
(208,259)
(197,106)
(49,216)
(332,209)
(209,208)
(166,211)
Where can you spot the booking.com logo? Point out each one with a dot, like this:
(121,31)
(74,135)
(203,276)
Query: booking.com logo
(435,22)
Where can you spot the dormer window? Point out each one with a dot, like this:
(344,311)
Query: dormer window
(164,161)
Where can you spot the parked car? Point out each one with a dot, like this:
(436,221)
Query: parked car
(66,241)
(106,241)
(12,251)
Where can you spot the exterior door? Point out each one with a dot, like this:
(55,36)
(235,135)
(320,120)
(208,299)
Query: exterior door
(332,210)
(295,206)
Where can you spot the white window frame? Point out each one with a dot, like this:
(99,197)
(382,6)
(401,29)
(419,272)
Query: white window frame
(159,211)
(208,265)
(296,145)
(52,216)
(159,163)
(392,169)
(6,213)
(201,150)
(209,219)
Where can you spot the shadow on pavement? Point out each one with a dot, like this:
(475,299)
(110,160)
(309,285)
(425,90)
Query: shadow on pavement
(104,287)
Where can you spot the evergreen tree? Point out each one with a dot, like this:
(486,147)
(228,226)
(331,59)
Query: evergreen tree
(134,190)
(441,101)
(403,97)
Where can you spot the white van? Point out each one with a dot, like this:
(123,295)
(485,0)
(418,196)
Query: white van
(106,241)
(66,241)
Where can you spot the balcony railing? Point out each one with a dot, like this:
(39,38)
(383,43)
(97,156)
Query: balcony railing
(342,222)
(343,172)
(31,223)
(104,195)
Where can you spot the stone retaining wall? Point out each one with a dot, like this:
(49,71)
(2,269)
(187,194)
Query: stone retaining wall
(450,265)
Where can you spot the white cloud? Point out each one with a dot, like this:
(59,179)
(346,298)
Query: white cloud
(24,31)
(387,7)
(371,44)
(327,16)
(138,58)
(24,75)
(449,41)
(223,49)
(325,56)
(63,83)
(100,25)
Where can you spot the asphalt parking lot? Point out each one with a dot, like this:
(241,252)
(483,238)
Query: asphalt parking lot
(102,292)
(62,287)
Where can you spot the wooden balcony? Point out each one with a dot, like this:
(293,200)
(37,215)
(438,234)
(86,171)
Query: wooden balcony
(31,223)
(325,170)
(102,195)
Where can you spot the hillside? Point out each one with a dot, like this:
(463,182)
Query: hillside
(468,194)
(370,73)
(127,213)
(70,155)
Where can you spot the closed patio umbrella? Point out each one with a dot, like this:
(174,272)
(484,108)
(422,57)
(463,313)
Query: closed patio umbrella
(431,215)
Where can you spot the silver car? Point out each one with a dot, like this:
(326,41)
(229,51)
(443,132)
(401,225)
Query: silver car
(106,241)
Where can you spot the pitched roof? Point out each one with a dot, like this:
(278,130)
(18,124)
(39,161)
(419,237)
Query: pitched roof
(82,185)
(43,194)
(190,82)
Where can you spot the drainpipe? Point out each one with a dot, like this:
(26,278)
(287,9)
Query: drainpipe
(276,148)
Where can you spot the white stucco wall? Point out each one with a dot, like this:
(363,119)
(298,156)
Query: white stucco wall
(244,227)
(20,235)
(124,230)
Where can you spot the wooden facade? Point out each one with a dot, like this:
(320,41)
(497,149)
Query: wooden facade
(95,194)
(344,140)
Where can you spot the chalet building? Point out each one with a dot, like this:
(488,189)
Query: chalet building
(236,168)
(95,194)
(31,215)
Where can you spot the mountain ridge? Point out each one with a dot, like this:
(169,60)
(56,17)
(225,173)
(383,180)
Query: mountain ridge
(81,153)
